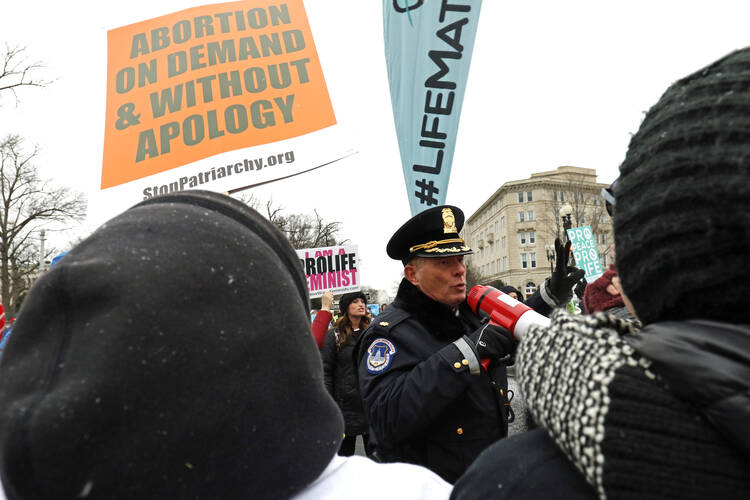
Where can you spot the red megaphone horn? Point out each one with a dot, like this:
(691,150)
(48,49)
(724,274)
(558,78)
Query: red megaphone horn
(504,310)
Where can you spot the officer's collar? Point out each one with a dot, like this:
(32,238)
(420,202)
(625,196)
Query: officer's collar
(439,319)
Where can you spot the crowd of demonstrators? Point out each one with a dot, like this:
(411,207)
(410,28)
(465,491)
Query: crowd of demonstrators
(155,361)
(662,412)
(428,399)
(339,370)
(110,386)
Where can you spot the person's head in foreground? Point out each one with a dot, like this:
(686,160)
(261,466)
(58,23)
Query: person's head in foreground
(168,355)
(682,212)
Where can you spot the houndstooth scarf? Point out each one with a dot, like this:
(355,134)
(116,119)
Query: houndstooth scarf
(616,420)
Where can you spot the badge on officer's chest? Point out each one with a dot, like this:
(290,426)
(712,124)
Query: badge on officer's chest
(379,355)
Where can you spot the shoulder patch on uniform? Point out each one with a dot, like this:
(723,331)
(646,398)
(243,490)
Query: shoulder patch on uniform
(379,355)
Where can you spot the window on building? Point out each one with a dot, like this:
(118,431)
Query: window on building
(523,238)
(505,263)
(502,223)
(532,237)
(524,263)
(530,215)
(520,216)
(502,241)
(530,288)
(532,258)
(528,196)
(520,197)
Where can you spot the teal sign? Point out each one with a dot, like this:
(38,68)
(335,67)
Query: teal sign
(428,46)
(585,254)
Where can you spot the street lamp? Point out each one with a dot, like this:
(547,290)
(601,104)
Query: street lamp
(565,213)
(550,249)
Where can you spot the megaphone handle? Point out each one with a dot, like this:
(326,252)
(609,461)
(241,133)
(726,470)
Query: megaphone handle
(485,362)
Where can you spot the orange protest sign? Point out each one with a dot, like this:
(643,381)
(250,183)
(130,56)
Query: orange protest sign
(207,80)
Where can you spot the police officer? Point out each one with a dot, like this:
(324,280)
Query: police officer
(427,396)
(428,399)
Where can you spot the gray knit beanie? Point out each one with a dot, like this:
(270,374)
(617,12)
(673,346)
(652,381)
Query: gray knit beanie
(682,219)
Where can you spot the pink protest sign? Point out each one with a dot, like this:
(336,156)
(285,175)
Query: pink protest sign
(330,268)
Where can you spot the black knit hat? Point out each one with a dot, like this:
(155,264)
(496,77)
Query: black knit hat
(168,355)
(682,223)
(348,298)
(431,233)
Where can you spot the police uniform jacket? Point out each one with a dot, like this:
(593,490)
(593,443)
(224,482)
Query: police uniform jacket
(425,398)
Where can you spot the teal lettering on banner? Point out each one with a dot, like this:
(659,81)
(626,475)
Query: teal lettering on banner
(585,254)
(428,48)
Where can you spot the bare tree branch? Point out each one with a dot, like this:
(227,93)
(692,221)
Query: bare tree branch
(302,230)
(18,71)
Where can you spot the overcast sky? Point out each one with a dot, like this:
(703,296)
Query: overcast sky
(551,83)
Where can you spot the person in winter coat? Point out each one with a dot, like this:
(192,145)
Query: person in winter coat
(155,361)
(339,370)
(428,398)
(662,413)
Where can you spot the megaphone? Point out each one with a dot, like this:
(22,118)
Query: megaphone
(504,310)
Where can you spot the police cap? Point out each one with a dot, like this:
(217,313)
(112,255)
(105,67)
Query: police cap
(431,233)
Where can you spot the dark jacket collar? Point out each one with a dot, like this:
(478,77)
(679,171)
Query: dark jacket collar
(439,319)
(706,363)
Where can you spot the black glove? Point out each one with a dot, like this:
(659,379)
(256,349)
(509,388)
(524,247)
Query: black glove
(496,343)
(560,285)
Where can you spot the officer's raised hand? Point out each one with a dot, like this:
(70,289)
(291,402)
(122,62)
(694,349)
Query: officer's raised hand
(495,343)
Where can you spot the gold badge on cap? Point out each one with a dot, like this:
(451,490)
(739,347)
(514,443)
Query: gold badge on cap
(449,221)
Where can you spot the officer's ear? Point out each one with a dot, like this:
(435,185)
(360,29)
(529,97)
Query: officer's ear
(410,271)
